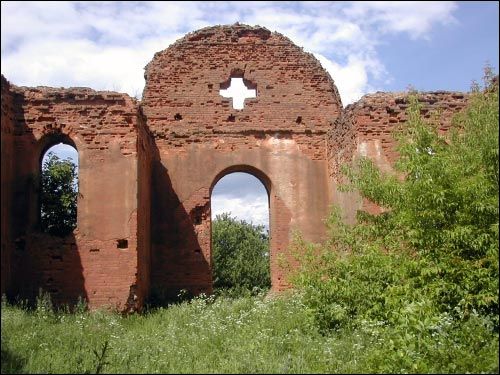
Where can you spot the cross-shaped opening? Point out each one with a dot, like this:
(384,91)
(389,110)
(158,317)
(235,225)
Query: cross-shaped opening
(238,91)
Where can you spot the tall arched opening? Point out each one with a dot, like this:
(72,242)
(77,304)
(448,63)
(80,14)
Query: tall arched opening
(58,193)
(240,231)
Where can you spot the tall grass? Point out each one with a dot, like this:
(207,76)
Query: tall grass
(222,335)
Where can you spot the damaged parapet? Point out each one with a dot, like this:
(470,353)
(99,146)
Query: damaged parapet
(92,262)
(366,129)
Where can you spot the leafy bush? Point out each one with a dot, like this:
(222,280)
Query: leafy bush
(433,252)
(59,192)
(240,253)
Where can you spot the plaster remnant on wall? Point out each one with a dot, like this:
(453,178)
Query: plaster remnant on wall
(363,149)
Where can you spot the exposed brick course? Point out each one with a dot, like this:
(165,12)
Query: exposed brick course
(279,136)
(366,128)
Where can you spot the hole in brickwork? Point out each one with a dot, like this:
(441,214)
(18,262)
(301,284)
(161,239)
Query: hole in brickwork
(58,185)
(238,90)
(20,244)
(240,233)
(122,244)
(231,118)
(177,117)
(299,120)
(198,214)
(94,250)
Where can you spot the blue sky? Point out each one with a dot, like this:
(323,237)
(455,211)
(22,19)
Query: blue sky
(451,57)
(365,46)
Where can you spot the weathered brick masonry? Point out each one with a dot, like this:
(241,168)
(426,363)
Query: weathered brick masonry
(279,137)
(103,128)
(147,169)
(366,128)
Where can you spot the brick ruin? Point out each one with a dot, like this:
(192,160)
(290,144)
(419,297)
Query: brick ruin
(147,168)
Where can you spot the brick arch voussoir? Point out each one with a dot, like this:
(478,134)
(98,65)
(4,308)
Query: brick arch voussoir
(53,138)
(245,168)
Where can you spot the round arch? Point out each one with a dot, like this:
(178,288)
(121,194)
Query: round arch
(50,140)
(264,261)
(43,146)
(244,168)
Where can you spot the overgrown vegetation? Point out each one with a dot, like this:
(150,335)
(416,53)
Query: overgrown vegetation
(412,290)
(240,253)
(58,198)
(250,334)
(204,335)
(426,268)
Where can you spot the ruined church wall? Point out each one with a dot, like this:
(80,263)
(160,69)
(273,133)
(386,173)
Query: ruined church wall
(7,176)
(366,129)
(147,170)
(98,261)
(279,136)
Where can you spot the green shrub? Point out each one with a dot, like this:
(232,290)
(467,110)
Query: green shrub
(434,249)
(240,253)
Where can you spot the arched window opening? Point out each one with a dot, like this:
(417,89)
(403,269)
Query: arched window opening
(240,235)
(59,190)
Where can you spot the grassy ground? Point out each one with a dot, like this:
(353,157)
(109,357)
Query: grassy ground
(245,335)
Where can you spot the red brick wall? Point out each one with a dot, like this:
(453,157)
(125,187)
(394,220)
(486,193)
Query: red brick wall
(366,129)
(7,176)
(279,136)
(102,126)
(147,170)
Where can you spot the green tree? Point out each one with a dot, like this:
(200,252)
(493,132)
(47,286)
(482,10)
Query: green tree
(448,201)
(59,192)
(433,252)
(446,208)
(240,253)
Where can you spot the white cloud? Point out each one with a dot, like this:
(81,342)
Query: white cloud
(59,62)
(413,17)
(352,77)
(254,211)
(105,45)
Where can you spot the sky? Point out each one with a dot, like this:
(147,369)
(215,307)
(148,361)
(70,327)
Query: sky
(365,46)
